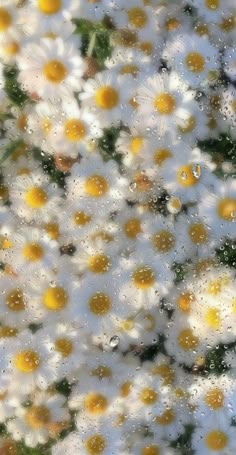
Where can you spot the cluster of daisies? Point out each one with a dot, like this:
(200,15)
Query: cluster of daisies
(112,294)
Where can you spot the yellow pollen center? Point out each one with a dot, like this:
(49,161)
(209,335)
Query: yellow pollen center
(166,418)
(212,318)
(187,340)
(99,263)
(216,440)
(214,398)
(150,450)
(75,130)
(161,155)
(137,17)
(188,126)
(198,233)
(228,24)
(185,176)
(165,372)
(146,47)
(143,277)
(64,346)
(184,301)
(99,304)
(96,185)
(195,62)
(5,19)
(130,69)
(163,241)
(7,332)
(80,218)
(27,361)
(136,144)
(201,29)
(55,298)
(172,24)
(125,389)
(148,396)
(164,103)
(55,71)
(52,230)
(95,403)
(33,252)
(101,371)
(226,209)
(216,286)
(46,126)
(22,122)
(15,300)
(12,48)
(212,4)
(8,447)
(106,97)
(36,197)
(127,325)
(95,445)
(132,228)
(49,6)
(37,417)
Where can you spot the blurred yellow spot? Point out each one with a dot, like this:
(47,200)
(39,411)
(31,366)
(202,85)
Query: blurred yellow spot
(27,361)
(107,97)
(99,304)
(164,103)
(55,71)
(55,298)
(96,185)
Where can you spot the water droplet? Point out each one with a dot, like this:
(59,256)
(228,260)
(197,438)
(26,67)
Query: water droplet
(114,341)
(196,171)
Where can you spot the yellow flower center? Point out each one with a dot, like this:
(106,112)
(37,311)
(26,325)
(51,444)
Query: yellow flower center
(172,24)
(36,197)
(55,71)
(195,62)
(33,252)
(212,4)
(150,450)
(137,17)
(27,361)
(12,48)
(132,228)
(5,19)
(188,126)
(52,230)
(198,233)
(15,300)
(185,300)
(226,209)
(136,144)
(163,241)
(49,6)
(125,389)
(216,286)
(37,417)
(8,447)
(101,371)
(148,396)
(165,372)
(201,29)
(166,418)
(161,155)
(164,103)
(75,130)
(95,445)
(146,47)
(107,97)
(130,69)
(99,304)
(127,325)
(22,122)
(64,346)
(185,176)
(228,24)
(95,403)
(212,318)
(80,218)
(143,277)
(99,263)
(214,398)
(96,185)
(46,126)
(4,193)
(7,332)
(187,340)
(216,440)
(55,298)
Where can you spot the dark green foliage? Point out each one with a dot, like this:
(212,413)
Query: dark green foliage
(183,443)
(9,150)
(100,34)
(12,87)
(227,254)
(107,143)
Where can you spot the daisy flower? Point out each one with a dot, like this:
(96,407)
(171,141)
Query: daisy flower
(164,100)
(52,69)
(218,208)
(215,437)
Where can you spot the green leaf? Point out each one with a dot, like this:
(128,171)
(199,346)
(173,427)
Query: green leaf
(107,143)
(12,87)
(227,254)
(10,149)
